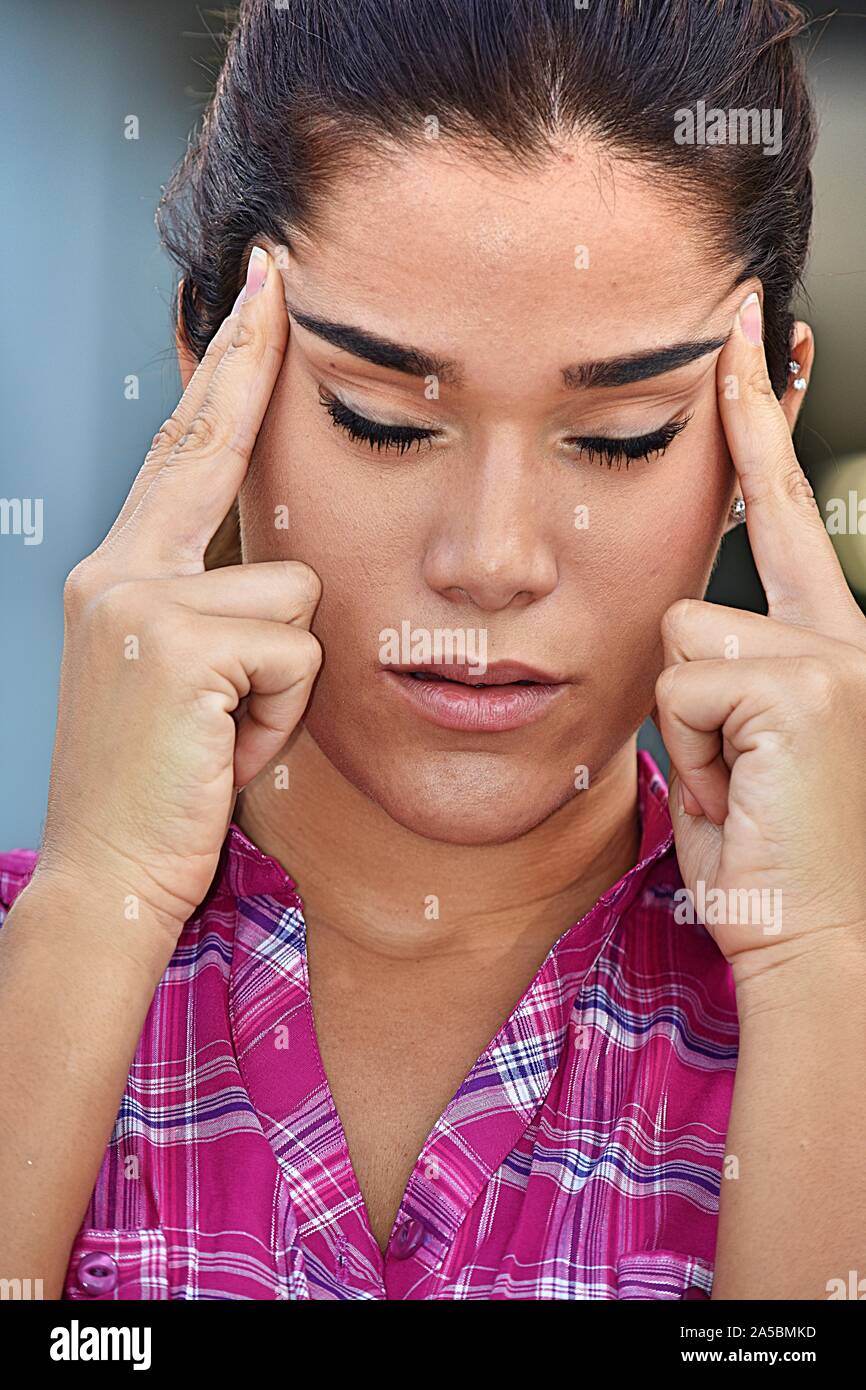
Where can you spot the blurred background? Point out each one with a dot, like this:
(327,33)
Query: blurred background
(96,102)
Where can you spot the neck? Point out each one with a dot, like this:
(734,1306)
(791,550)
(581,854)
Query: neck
(388,892)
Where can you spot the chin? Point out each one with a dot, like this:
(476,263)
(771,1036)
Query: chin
(462,824)
(458,798)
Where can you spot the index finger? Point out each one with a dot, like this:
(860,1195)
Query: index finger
(199,479)
(794,555)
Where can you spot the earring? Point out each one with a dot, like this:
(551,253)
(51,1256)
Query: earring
(737,511)
(800,383)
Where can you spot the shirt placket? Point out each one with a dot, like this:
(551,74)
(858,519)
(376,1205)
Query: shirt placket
(496,1103)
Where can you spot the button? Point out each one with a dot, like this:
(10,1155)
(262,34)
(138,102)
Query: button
(694,1292)
(407,1238)
(96,1273)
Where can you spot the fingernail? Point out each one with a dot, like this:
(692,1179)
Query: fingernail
(257,274)
(750,319)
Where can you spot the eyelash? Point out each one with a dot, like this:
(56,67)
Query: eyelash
(402,437)
(639,446)
(378,436)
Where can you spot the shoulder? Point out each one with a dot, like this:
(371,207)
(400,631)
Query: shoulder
(16,871)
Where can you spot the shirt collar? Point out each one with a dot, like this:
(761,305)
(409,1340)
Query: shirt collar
(657,834)
(246,872)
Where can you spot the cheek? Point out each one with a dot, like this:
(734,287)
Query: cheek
(291,500)
(652,537)
(305,499)
(660,520)
(356,518)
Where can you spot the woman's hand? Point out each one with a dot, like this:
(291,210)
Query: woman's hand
(764,718)
(152,736)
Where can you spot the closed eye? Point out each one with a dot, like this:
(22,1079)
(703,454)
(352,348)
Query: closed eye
(373,432)
(626,450)
(400,438)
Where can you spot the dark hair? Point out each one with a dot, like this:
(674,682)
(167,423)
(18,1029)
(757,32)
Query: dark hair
(309,85)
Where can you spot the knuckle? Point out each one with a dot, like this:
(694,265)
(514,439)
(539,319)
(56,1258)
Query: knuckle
(758,382)
(311,649)
(116,606)
(664,688)
(203,433)
(119,610)
(81,586)
(784,482)
(677,618)
(168,434)
(796,485)
(243,335)
(114,615)
(817,682)
(304,580)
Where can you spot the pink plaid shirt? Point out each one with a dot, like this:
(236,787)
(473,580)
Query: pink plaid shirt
(580,1158)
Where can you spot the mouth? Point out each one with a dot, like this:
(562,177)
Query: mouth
(506,695)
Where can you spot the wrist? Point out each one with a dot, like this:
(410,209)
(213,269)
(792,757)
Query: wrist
(95,909)
(810,973)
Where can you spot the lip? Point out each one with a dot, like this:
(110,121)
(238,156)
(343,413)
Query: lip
(494,706)
(495,672)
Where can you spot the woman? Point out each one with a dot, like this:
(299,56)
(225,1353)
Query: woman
(449,1001)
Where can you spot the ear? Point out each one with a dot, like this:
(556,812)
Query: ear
(803,353)
(186,360)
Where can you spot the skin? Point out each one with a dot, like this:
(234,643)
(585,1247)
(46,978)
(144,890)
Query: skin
(767,749)
(476,530)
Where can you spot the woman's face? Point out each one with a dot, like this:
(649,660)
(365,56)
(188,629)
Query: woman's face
(497,525)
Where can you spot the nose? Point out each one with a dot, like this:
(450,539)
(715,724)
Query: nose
(493,542)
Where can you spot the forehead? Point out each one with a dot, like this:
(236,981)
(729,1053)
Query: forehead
(587,256)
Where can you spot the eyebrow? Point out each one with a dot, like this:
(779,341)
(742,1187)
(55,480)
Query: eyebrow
(638,366)
(614,371)
(381,351)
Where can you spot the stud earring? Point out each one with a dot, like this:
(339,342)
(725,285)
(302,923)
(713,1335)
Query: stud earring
(800,383)
(737,511)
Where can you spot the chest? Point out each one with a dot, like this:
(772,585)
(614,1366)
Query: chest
(394,1059)
(537,1165)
